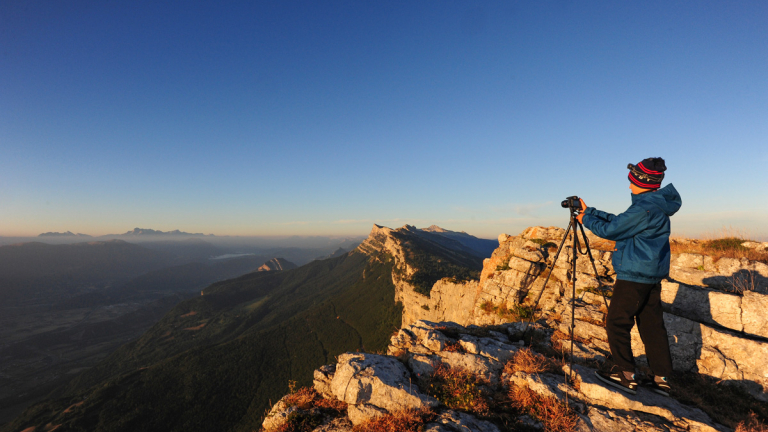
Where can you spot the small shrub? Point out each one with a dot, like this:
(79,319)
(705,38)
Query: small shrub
(726,244)
(743,282)
(301,422)
(502,267)
(515,313)
(525,360)
(402,421)
(307,398)
(457,388)
(556,416)
(726,247)
(453,347)
(752,424)
(425,307)
(302,399)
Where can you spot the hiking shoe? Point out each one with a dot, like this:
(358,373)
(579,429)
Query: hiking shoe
(658,385)
(618,380)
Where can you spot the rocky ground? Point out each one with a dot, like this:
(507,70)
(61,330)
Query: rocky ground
(460,361)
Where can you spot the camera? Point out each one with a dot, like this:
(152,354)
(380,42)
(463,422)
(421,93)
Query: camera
(572,202)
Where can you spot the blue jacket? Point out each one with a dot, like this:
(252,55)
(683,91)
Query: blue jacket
(641,234)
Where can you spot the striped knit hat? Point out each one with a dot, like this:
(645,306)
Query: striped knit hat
(648,174)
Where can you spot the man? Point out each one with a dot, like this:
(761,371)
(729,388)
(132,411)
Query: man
(641,261)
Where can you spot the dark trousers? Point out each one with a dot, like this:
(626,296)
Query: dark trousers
(632,301)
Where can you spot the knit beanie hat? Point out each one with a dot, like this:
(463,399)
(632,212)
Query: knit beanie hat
(648,174)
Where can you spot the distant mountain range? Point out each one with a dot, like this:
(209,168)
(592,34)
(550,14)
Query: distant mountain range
(64,234)
(150,232)
(133,233)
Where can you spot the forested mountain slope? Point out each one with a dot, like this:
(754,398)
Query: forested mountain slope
(214,362)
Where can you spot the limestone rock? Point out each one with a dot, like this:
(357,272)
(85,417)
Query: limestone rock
(753,315)
(363,412)
(755,245)
(322,380)
(490,348)
(716,352)
(489,369)
(598,419)
(278,415)
(703,305)
(544,233)
(503,238)
(528,254)
(687,260)
(452,421)
(593,392)
(336,425)
(375,383)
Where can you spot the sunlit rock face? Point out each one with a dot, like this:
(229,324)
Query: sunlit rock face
(379,385)
(713,328)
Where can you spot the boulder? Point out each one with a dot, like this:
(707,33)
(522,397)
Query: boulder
(278,415)
(593,392)
(702,305)
(322,380)
(715,352)
(372,384)
(753,313)
(336,425)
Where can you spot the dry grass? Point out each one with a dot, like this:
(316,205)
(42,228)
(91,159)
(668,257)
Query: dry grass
(513,314)
(454,347)
(723,247)
(457,389)
(525,360)
(743,282)
(752,424)
(402,421)
(553,414)
(300,422)
(312,408)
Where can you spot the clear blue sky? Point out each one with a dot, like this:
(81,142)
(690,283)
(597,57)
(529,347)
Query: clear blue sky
(284,117)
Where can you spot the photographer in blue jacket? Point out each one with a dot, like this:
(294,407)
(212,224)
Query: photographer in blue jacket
(641,261)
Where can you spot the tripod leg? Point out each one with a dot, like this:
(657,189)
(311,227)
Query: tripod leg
(574,258)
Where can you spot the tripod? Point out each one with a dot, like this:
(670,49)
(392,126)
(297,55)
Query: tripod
(575,226)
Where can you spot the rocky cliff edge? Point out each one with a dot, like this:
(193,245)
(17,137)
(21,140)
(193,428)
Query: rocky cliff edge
(715,331)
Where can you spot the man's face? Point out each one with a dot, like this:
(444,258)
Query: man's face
(636,189)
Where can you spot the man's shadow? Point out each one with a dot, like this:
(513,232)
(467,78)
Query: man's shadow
(691,308)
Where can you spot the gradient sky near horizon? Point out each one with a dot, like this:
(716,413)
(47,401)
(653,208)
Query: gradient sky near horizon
(305,117)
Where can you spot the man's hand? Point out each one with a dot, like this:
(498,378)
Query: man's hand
(580,217)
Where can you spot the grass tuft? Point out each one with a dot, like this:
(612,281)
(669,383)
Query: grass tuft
(307,398)
(752,424)
(402,421)
(525,360)
(553,414)
(515,313)
(457,389)
(725,247)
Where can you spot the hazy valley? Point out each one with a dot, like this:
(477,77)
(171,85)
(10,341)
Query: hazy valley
(66,306)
